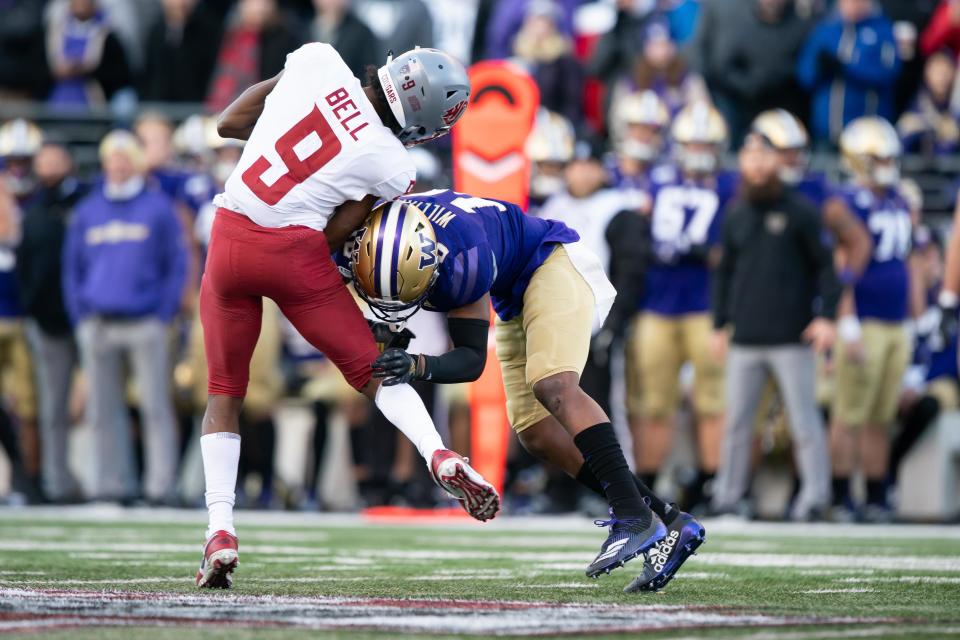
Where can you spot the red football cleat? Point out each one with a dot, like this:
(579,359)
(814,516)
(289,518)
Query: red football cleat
(220,558)
(455,476)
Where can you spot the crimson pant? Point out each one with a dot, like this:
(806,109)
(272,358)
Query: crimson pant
(291,266)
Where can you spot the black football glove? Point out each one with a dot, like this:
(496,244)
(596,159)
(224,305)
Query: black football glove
(397,367)
(387,338)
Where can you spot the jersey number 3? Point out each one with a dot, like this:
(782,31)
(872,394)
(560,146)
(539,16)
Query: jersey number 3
(297,170)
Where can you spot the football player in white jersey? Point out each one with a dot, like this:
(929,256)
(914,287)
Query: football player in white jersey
(321,150)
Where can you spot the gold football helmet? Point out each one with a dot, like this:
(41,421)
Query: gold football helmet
(552,138)
(870,150)
(550,146)
(644,111)
(784,132)
(699,134)
(20,138)
(395,260)
(189,139)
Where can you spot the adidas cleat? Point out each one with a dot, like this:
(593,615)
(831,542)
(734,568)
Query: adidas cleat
(684,536)
(455,476)
(627,539)
(220,557)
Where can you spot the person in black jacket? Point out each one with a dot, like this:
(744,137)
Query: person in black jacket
(777,288)
(181,51)
(337,24)
(48,328)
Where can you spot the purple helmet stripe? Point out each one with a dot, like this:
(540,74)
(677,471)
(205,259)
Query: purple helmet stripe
(395,258)
(379,258)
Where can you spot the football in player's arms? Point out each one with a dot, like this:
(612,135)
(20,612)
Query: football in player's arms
(319,143)
(454,253)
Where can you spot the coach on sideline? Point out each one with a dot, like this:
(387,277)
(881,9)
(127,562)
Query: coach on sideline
(777,289)
(124,269)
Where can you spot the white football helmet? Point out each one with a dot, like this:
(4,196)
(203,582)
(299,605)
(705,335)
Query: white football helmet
(870,150)
(637,124)
(699,135)
(784,132)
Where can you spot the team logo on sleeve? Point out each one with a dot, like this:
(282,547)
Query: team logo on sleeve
(428,252)
(453,113)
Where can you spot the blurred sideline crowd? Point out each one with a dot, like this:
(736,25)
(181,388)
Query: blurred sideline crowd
(643,104)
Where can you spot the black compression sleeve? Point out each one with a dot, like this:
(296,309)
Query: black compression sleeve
(469,355)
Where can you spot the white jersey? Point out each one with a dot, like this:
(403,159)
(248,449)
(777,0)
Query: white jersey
(318,144)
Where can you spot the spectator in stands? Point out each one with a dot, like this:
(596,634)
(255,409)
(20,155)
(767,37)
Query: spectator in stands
(548,55)
(86,60)
(181,52)
(124,268)
(850,63)
(930,125)
(618,49)
(746,53)
(508,17)
(459,28)
(401,25)
(337,24)
(683,16)
(943,31)
(769,231)
(660,68)
(909,20)
(41,297)
(23,63)
(254,47)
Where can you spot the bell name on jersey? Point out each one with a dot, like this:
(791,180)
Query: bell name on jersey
(318,143)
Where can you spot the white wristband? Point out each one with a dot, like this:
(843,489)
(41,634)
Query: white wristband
(947,299)
(848,329)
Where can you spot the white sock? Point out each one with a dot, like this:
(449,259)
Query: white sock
(401,405)
(221,457)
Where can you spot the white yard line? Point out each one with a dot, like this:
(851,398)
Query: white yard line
(864,632)
(903,579)
(852,590)
(390,616)
(568,524)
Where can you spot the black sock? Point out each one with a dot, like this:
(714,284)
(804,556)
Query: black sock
(586,478)
(841,491)
(648,479)
(657,505)
(877,492)
(603,455)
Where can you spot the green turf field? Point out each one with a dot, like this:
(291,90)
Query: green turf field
(105,573)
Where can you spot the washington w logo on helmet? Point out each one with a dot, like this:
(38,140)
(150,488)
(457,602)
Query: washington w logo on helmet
(428,252)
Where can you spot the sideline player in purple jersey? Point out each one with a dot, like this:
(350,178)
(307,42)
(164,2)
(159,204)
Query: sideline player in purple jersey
(874,348)
(548,293)
(638,125)
(674,325)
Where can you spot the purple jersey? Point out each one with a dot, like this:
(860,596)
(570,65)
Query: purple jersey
(815,187)
(882,291)
(685,223)
(488,246)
